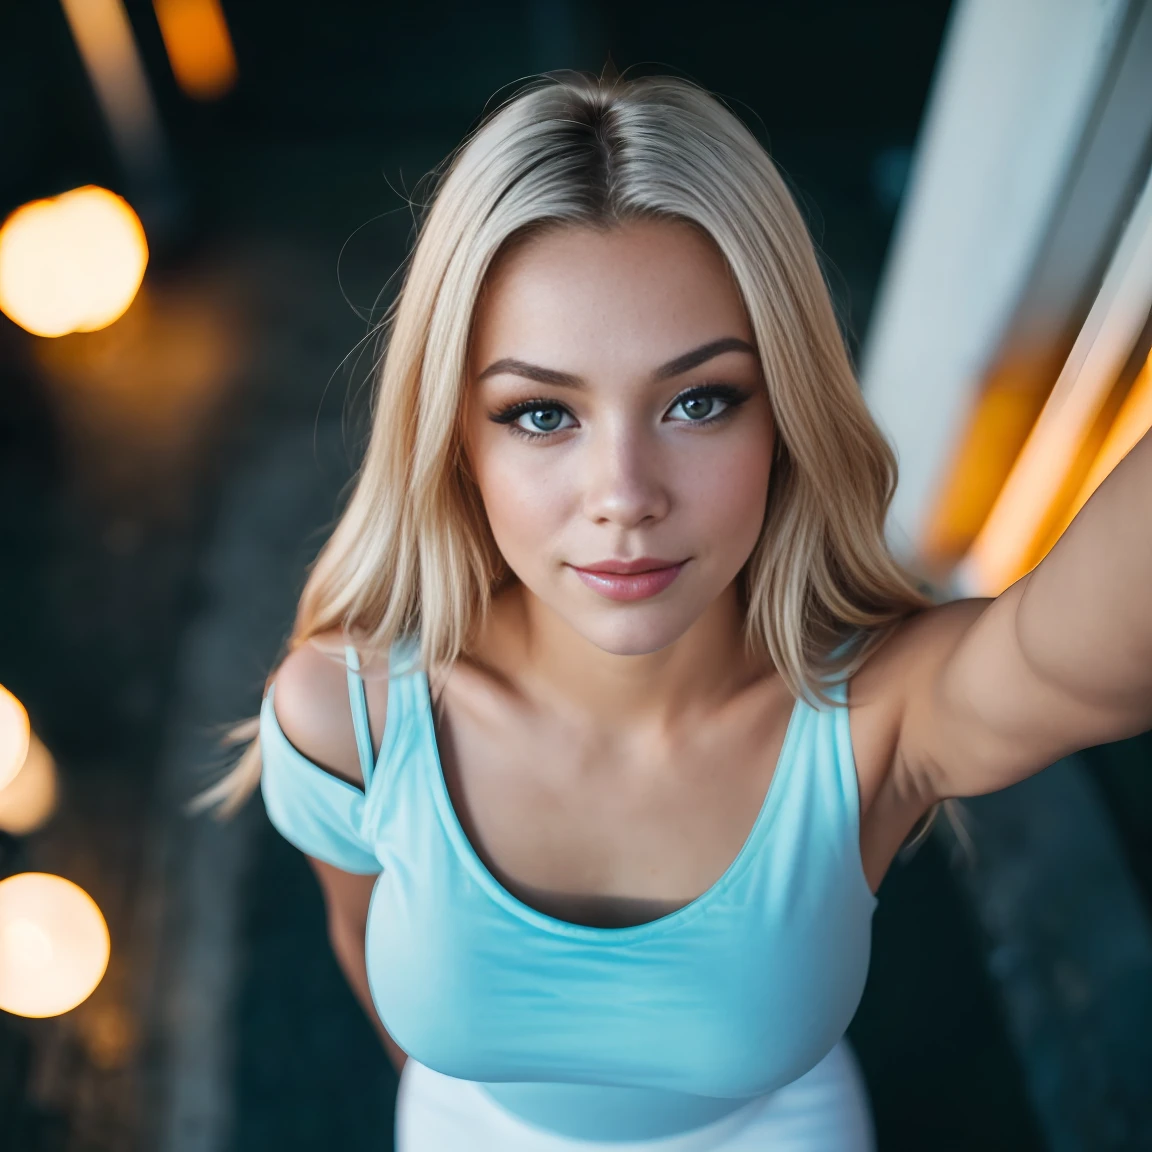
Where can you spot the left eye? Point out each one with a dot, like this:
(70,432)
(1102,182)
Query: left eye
(542,420)
(697,408)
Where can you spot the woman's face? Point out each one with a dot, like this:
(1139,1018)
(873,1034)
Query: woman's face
(617,417)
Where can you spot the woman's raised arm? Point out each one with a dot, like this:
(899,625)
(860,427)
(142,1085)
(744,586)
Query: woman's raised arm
(1062,660)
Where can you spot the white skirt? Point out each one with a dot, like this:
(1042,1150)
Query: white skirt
(826,1110)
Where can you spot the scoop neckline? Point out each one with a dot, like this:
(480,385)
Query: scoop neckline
(589,932)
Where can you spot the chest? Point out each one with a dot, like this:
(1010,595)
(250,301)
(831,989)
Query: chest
(607,829)
(717,1003)
(739,988)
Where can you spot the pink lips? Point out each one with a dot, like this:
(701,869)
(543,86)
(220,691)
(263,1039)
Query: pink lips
(629,579)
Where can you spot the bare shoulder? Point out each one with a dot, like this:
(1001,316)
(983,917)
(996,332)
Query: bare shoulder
(922,642)
(312,706)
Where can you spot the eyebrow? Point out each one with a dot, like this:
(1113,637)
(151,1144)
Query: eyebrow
(676,367)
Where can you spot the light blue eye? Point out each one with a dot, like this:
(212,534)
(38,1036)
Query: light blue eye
(698,408)
(542,419)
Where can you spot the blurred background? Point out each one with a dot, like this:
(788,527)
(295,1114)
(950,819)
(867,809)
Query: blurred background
(205,205)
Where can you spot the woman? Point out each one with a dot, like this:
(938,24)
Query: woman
(606,708)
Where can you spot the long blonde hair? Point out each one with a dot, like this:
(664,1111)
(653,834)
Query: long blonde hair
(412,552)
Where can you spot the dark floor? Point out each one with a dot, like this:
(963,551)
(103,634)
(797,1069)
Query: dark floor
(326,1081)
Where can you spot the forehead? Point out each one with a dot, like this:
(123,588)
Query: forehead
(579,298)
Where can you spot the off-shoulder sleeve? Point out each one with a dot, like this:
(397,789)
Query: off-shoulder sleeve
(319,813)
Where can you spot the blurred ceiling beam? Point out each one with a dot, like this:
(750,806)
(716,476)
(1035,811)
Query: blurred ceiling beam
(1033,147)
(1012,540)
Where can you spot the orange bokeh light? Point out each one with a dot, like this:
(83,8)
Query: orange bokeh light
(1132,420)
(71,264)
(54,944)
(29,799)
(14,736)
(199,48)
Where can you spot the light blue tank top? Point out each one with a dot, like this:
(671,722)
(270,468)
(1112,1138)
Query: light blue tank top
(594,1033)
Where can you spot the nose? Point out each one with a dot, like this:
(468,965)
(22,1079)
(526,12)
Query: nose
(624,483)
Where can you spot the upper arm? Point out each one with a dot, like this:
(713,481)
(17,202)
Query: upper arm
(977,715)
(346,898)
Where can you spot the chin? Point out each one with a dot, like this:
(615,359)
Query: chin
(633,632)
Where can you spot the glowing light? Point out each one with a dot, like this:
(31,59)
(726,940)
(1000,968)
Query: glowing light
(71,264)
(198,45)
(1132,421)
(26,945)
(54,945)
(103,35)
(14,736)
(1017,534)
(29,798)
(997,429)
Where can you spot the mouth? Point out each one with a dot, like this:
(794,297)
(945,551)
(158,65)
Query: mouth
(629,579)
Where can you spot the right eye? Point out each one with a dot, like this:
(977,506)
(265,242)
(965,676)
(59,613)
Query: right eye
(541,420)
(535,419)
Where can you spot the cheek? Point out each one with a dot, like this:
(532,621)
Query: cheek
(727,494)
(527,500)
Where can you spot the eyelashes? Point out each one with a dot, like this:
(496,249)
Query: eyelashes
(729,396)
(513,414)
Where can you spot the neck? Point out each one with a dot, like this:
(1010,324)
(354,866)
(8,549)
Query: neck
(538,651)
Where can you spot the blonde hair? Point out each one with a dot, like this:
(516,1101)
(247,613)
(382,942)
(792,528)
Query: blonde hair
(412,552)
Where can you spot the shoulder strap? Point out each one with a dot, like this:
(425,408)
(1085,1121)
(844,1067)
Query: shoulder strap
(359,704)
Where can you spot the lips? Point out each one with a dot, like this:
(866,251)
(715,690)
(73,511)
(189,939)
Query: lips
(629,579)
